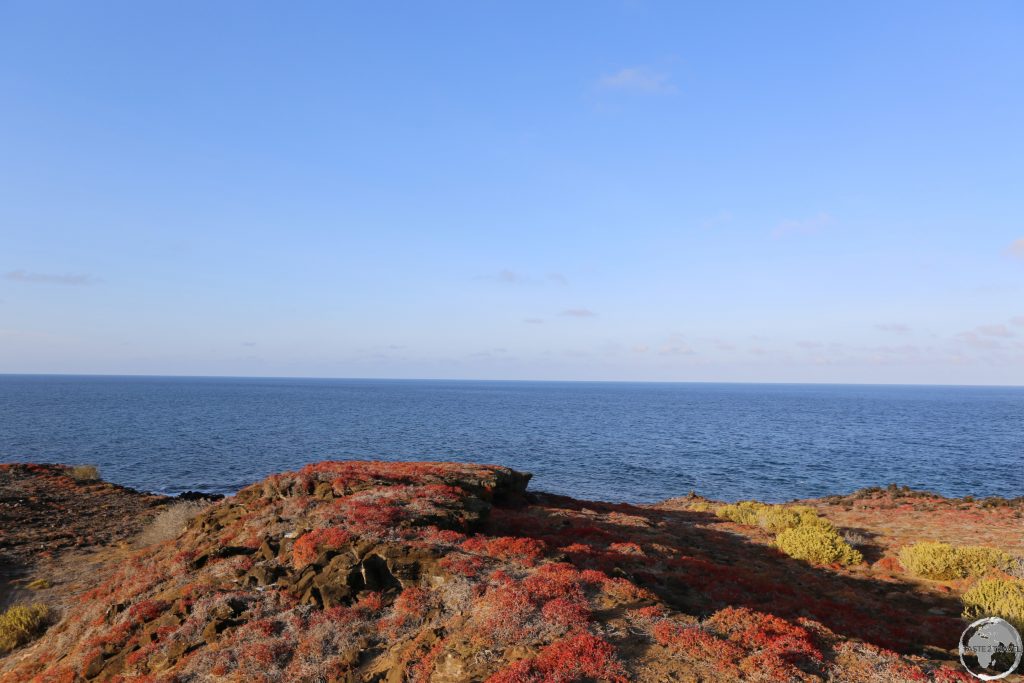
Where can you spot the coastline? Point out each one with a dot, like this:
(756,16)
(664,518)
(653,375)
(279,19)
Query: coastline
(424,543)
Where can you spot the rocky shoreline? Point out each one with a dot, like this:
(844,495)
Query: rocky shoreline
(443,572)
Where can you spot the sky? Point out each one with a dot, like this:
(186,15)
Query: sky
(666,191)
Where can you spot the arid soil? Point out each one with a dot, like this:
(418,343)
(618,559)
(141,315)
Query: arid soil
(355,571)
(47,518)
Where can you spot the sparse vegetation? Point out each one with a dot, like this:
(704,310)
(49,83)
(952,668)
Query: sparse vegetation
(801,532)
(818,544)
(170,522)
(996,597)
(944,562)
(84,473)
(353,571)
(20,624)
(854,538)
(773,518)
(37,584)
(1016,568)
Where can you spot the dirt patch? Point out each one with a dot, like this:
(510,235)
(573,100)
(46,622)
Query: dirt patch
(442,572)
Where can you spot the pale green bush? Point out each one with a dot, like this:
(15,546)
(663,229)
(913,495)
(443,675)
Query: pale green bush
(745,512)
(20,624)
(773,518)
(818,544)
(944,562)
(996,597)
(84,473)
(975,560)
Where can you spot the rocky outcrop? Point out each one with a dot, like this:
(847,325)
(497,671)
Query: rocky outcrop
(445,572)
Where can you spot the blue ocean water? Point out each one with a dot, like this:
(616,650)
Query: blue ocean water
(636,442)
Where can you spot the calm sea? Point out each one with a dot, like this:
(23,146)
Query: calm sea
(608,441)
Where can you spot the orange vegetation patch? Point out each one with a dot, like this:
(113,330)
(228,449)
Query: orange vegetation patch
(361,571)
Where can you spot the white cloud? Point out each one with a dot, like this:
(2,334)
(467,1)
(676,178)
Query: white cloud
(1017,248)
(977,341)
(510,277)
(638,79)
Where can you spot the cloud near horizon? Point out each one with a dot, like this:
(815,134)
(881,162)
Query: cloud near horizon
(994,330)
(898,328)
(579,313)
(638,79)
(47,278)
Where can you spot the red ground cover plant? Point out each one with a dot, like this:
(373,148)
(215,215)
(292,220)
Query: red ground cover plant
(575,658)
(525,551)
(778,644)
(311,544)
(348,570)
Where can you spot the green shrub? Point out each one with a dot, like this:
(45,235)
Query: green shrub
(774,518)
(817,543)
(930,560)
(84,473)
(943,562)
(744,512)
(975,560)
(996,597)
(20,624)
(801,533)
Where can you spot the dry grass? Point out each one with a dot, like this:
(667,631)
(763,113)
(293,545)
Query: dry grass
(20,624)
(1017,568)
(855,539)
(170,522)
(84,473)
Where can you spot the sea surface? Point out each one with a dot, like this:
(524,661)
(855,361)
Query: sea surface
(637,442)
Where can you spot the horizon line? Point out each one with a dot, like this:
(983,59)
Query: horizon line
(536,381)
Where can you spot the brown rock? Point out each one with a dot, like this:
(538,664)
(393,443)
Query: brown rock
(93,667)
(211,630)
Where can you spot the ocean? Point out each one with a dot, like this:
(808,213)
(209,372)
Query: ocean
(634,442)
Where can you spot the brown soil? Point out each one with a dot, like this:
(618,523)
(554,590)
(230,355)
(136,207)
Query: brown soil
(444,573)
(50,525)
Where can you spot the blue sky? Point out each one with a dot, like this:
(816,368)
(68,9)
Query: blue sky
(802,192)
